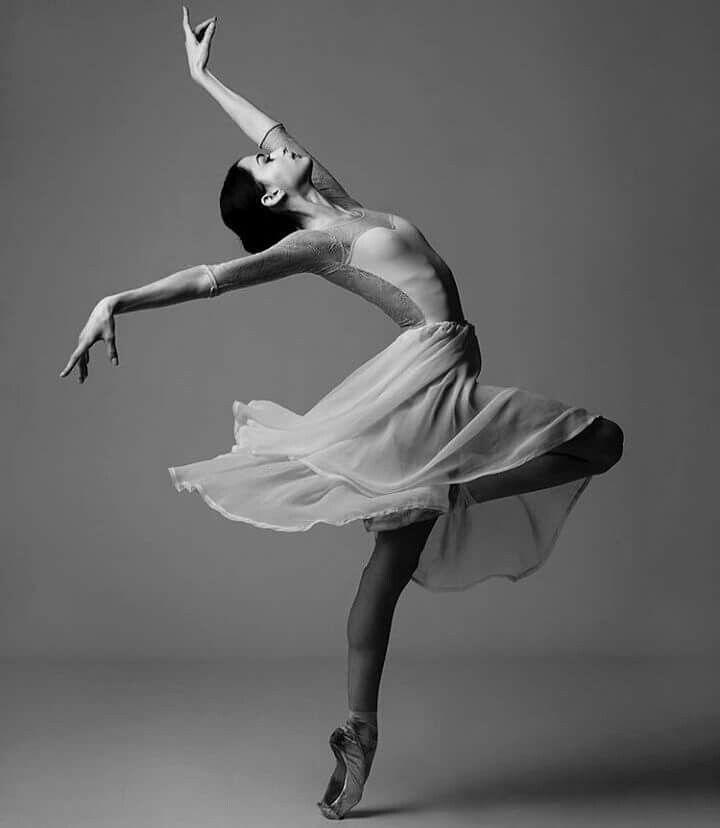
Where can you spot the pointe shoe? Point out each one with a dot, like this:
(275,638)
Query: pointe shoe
(354,759)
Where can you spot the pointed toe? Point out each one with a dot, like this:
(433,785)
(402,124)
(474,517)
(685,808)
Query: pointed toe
(354,757)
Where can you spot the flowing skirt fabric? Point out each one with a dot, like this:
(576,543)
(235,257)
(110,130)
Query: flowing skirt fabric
(395,442)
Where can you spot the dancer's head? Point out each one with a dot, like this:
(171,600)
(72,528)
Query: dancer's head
(257,195)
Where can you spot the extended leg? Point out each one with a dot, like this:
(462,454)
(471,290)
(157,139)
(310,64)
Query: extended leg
(595,450)
(393,561)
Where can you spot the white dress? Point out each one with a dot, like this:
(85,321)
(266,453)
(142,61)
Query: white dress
(398,438)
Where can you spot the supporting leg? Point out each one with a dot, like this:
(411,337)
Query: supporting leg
(394,559)
(391,565)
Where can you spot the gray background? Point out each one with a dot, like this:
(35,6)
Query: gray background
(561,156)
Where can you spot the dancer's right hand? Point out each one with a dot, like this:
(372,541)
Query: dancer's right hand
(197,43)
(99,327)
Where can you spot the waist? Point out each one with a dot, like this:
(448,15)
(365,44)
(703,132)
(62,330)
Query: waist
(455,338)
(460,323)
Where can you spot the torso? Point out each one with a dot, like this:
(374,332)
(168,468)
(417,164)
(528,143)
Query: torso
(387,260)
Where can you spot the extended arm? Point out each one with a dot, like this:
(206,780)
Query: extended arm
(181,286)
(299,252)
(304,251)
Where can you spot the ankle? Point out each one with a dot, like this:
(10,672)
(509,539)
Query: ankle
(364,717)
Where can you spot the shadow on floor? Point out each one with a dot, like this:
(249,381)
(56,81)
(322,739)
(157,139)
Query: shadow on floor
(681,761)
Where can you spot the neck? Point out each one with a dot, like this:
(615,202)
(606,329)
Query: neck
(312,211)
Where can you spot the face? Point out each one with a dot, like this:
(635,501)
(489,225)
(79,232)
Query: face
(280,169)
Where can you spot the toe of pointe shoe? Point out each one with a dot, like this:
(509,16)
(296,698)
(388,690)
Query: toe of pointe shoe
(348,780)
(327,811)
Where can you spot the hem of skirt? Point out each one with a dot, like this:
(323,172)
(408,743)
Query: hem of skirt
(508,575)
(199,489)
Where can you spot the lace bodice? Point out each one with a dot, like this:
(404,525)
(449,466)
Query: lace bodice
(379,256)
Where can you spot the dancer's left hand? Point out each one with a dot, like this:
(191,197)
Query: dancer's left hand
(197,43)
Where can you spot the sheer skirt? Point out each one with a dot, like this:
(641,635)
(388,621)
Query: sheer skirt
(395,442)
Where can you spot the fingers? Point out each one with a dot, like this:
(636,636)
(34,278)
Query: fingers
(200,28)
(74,357)
(186,25)
(81,357)
(196,32)
(209,31)
(112,351)
(77,358)
(82,367)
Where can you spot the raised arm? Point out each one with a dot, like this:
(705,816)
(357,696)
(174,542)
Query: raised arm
(261,129)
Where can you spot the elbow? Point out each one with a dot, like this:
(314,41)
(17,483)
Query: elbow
(207,283)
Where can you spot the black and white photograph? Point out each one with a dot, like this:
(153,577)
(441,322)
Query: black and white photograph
(414,521)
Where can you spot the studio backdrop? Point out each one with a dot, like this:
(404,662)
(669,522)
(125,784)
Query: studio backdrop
(561,157)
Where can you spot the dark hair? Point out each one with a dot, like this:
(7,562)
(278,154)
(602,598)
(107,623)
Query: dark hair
(242,211)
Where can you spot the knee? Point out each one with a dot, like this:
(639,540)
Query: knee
(610,440)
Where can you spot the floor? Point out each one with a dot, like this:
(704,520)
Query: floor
(485,742)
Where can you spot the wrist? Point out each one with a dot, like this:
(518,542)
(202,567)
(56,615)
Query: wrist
(199,76)
(111,303)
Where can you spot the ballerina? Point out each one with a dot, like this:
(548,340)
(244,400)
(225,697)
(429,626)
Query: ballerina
(459,481)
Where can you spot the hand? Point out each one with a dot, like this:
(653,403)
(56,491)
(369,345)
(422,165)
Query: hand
(197,43)
(100,325)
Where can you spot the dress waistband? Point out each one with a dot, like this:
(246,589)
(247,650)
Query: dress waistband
(461,323)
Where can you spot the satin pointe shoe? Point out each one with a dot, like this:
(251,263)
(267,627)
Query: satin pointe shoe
(354,757)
